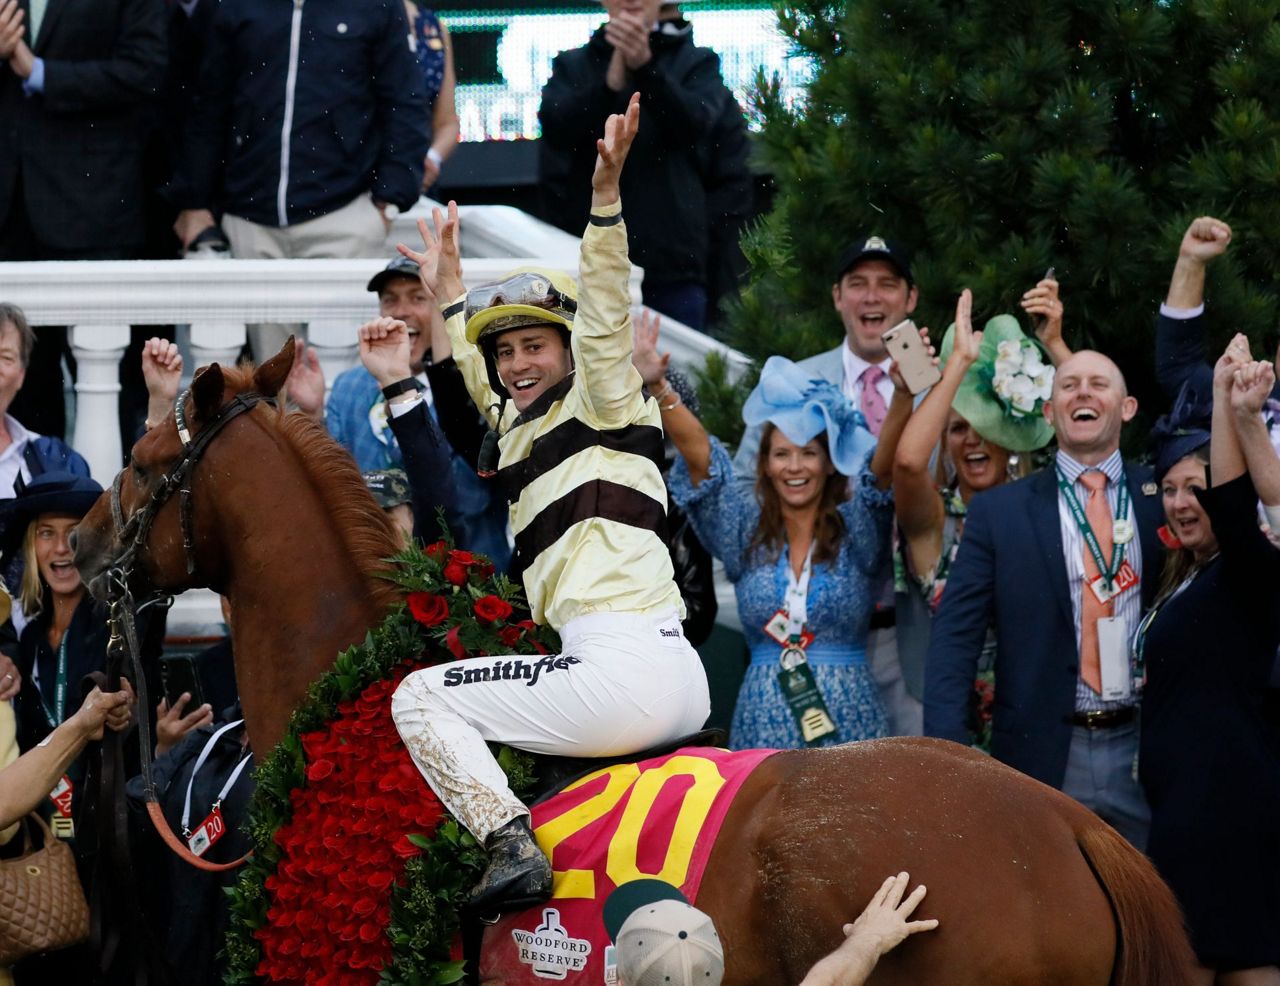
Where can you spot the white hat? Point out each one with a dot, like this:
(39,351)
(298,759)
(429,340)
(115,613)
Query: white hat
(664,940)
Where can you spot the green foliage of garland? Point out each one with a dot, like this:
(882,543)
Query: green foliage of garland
(425,903)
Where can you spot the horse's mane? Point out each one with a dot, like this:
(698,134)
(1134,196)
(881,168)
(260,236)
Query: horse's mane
(366,530)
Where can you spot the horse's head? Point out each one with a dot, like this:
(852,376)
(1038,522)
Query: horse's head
(146,523)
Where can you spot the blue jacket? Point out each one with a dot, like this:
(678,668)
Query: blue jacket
(475,508)
(357,119)
(1010,571)
(1180,356)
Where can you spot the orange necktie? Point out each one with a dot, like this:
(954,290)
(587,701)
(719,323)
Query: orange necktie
(1098,513)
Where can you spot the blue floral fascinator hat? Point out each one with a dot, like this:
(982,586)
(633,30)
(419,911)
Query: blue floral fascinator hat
(803,407)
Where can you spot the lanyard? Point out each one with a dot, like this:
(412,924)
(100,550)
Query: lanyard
(1108,572)
(797,601)
(231,781)
(59,684)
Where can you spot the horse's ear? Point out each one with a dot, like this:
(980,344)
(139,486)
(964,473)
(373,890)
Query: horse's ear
(206,391)
(271,375)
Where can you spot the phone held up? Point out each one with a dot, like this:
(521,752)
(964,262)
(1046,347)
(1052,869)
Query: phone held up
(179,674)
(912,357)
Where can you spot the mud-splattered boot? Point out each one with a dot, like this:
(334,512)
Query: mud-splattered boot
(518,875)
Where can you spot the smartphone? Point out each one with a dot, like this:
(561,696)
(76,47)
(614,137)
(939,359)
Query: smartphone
(179,674)
(911,356)
(1049,275)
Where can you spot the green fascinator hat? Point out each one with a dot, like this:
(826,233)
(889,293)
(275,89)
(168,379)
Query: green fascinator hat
(1004,391)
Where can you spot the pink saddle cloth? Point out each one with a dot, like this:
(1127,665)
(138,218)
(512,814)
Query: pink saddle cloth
(656,819)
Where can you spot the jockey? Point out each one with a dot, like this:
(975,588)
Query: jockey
(580,451)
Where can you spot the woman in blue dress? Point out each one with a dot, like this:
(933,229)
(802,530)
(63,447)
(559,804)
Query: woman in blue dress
(803,520)
(429,40)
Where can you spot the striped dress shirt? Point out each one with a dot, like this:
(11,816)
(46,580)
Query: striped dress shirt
(1128,605)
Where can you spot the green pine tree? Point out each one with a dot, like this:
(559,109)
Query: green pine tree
(997,138)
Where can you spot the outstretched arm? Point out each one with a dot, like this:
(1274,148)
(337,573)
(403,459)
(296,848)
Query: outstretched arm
(916,501)
(1180,338)
(601,337)
(162,372)
(1045,309)
(881,927)
(1250,387)
(440,270)
(27,781)
(680,424)
(1226,459)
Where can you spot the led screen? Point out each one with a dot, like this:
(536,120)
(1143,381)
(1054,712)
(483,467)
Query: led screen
(503,54)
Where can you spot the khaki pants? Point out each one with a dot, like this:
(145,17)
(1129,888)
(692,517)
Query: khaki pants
(355,230)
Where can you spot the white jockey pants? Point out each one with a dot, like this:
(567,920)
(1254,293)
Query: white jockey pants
(623,683)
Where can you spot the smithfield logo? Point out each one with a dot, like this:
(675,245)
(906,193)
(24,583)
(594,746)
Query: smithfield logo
(876,243)
(549,950)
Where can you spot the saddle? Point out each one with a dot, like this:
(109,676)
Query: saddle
(555,773)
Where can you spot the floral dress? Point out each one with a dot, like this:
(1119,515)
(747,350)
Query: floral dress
(428,50)
(841,597)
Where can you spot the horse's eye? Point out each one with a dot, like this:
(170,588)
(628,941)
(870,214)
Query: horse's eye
(139,473)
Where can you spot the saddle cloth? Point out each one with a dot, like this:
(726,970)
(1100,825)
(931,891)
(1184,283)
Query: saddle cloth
(654,819)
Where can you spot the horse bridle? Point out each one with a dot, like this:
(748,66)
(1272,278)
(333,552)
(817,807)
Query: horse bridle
(138,526)
(132,533)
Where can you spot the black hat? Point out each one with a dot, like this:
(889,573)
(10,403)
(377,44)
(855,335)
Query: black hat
(872,247)
(49,493)
(397,266)
(1183,430)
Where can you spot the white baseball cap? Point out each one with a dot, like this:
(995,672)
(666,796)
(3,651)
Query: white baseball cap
(662,939)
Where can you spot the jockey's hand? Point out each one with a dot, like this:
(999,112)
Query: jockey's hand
(172,725)
(384,350)
(611,153)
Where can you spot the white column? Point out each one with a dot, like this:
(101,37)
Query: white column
(337,347)
(98,349)
(216,341)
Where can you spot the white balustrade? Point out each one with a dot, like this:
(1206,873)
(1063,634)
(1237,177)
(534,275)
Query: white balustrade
(99,300)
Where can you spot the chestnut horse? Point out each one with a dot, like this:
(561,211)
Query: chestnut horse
(1029,887)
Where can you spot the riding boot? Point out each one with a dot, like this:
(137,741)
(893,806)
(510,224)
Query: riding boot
(518,875)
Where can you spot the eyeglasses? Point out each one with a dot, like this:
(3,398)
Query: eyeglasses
(528,288)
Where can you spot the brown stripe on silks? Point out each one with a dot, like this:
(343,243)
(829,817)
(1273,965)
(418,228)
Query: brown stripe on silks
(569,438)
(594,498)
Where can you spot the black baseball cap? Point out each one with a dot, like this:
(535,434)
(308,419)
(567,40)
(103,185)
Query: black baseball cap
(398,266)
(873,247)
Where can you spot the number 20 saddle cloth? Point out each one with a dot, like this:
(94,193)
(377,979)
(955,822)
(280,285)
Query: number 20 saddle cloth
(655,819)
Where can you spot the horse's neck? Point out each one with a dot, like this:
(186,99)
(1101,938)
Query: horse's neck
(293,614)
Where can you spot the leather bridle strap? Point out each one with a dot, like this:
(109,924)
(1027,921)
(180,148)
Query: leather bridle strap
(123,648)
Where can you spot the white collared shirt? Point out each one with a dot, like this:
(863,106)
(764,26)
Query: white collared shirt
(854,367)
(12,464)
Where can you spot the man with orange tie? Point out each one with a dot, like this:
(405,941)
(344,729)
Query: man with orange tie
(1062,563)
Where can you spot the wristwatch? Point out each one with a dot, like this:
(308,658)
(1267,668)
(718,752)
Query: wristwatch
(393,390)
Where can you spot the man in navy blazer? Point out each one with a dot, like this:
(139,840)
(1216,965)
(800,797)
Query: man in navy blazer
(1020,555)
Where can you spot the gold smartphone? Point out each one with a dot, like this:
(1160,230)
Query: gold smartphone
(912,357)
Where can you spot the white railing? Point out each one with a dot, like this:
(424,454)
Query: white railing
(218,298)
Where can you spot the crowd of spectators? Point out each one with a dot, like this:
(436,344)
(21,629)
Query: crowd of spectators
(978,561)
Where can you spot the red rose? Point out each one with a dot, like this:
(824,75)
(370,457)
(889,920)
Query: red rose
(428,609)
(454,644)
(319,770)
(510,636)
(437,551)
(455,573)
(485,571)
(462,557)
(490,609)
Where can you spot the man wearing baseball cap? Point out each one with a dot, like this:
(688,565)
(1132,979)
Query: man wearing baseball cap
(873,290)
(661,939)
(366,398)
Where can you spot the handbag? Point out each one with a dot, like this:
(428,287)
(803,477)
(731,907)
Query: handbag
(42,905)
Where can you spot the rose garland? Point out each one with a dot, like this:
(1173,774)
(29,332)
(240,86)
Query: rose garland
(358,871)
